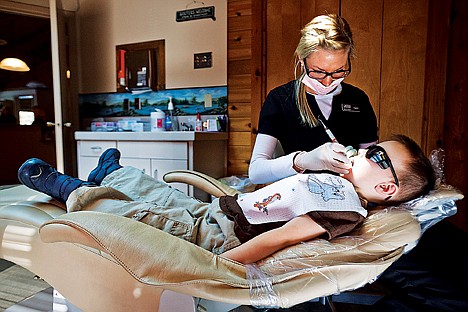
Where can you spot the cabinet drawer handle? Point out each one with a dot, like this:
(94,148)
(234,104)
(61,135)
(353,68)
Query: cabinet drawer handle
(96,148)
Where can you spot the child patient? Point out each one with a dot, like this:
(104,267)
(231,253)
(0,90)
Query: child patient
(251,226)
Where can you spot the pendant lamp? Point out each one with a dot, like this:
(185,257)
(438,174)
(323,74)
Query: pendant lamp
(14,64)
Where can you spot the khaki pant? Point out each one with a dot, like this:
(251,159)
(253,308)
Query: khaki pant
(133,194)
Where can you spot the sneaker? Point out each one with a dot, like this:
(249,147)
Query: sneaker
(108,163)
(40,176)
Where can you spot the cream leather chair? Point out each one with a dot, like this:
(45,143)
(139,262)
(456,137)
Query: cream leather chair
(104,262)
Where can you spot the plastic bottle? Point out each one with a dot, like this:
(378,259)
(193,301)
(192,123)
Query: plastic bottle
(168,122)
(157,120)
(198,123)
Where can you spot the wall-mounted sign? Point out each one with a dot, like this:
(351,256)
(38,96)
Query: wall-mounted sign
(194,14)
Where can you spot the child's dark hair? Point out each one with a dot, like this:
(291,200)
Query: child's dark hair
(418,177)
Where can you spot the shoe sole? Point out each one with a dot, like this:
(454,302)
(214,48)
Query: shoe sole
(103,158)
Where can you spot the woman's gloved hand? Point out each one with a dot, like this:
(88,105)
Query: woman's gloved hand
(329,156)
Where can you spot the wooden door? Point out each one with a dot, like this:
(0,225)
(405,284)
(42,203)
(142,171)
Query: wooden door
(27,32)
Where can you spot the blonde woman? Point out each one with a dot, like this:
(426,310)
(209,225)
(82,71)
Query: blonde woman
(307,117)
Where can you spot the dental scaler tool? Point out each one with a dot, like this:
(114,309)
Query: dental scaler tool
(328,131)
(349,151)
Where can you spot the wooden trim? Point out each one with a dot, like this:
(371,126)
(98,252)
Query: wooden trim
(456,128)
(258,73)
(438,34)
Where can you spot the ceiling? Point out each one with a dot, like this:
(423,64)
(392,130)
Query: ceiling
(27,38)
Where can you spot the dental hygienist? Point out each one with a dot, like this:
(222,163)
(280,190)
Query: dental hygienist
(295,116)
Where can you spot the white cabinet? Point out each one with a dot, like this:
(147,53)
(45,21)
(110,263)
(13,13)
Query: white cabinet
(88,155)
(157,153)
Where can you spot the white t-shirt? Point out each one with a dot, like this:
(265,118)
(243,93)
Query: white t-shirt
(298,195)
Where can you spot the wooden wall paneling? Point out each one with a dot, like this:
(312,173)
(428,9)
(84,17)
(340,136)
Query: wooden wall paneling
(238,124)
(240,152)
(239,8)
(240,110)
(365,20)
(238,95)
(312,8)
(241,138)
(240,43)
(456,111)
(239,82)
(282,35)
(238,66)
(238,168)
(239,22)
(403,68)
(258,69)
(438,33)
(239,141)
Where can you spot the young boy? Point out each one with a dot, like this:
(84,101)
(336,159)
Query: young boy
(251,226)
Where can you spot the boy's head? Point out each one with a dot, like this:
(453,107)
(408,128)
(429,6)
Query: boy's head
(374,179)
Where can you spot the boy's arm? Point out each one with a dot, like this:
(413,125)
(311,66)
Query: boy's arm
(299,229)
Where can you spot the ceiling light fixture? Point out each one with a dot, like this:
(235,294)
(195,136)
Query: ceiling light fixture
(14,64)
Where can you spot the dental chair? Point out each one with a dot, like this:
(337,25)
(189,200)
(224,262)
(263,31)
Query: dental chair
(105,262)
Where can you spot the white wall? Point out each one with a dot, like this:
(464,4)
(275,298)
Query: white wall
(104,24)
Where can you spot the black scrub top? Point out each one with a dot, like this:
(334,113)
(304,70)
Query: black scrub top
(352,119)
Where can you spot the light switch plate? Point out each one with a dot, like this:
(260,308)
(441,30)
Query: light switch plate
(202,60)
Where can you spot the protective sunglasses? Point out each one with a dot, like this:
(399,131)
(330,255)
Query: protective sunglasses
(378,155)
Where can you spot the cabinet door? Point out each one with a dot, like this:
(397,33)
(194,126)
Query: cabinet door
(158,150)
(85,165)
(142,164)
(88,155)
(94,148)
(160,167)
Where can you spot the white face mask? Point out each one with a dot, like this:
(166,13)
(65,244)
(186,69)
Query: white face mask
(318,87)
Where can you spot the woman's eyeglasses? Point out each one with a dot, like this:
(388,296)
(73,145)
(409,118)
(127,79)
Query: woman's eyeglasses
(320,75)
(378,155)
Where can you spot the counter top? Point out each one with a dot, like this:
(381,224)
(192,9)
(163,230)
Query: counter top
(151,136)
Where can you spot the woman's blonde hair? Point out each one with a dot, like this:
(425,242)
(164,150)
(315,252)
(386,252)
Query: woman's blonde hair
(330,32)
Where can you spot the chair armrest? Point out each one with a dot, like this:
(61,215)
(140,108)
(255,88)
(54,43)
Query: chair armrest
(201,181)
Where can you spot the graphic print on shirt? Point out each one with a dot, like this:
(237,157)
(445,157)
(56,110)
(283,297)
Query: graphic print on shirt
(328,189)
(262,206)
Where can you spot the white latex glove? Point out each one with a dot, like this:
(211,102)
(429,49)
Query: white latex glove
(329,156)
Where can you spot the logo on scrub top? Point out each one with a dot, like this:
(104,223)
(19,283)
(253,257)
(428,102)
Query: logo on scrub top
(350,108)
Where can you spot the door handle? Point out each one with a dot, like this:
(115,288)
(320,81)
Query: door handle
(65,124)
